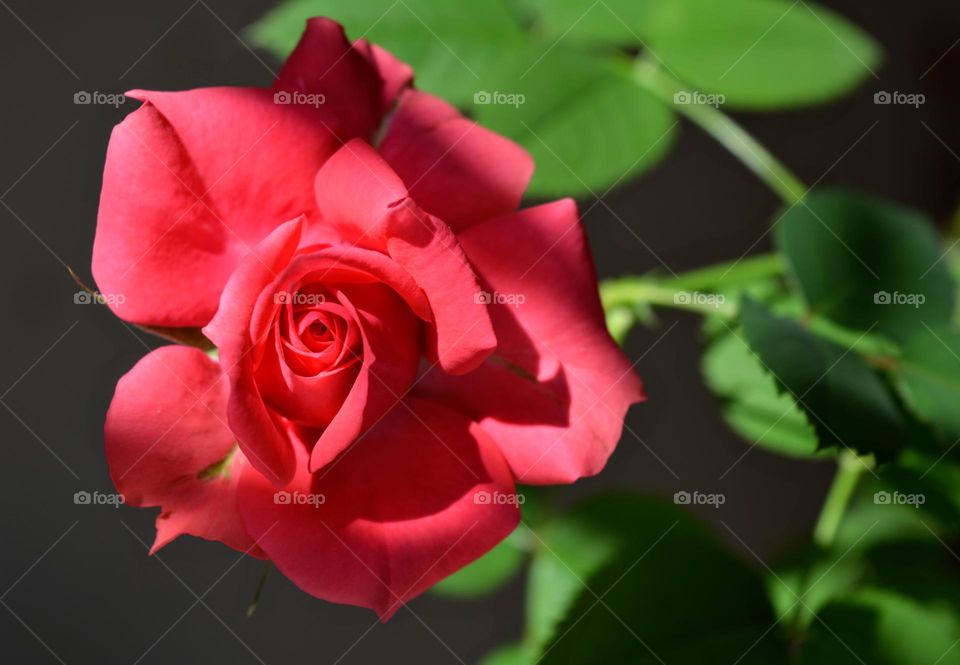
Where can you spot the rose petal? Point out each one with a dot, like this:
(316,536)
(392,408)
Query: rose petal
(168,445)
(325,63)
(258,432)
(391,353)
(400,511)
(356,191)
(555,394)
(359,193)
(311,400)
(462,335)
(395,74)
(192,181)
(454,168)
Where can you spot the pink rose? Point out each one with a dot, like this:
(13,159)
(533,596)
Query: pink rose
(398,345)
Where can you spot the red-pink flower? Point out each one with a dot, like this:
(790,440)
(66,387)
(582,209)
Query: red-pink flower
(398,345)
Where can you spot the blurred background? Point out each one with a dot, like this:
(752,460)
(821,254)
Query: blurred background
(76,582)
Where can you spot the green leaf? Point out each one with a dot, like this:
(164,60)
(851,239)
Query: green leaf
(509,654)
(934,479)
(884,627)
(456,49)
(753,405)
(486,574)
(866,264)
(568,550)
(845,400)
(885,592)
(761,54)
(881,544)
(586,123)
(928,377)
(665,587)
(861,554)
(611,22)
(619,322)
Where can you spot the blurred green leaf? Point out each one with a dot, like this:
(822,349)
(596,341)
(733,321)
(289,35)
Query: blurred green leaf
(866,264)
(758,53)
(486,574)
(761,53)
(753,405)
(883,546)
(611,22)
(861,549)
(935,478)
(583,119)
(456,49)
(886,628)
(928,377)
(619,322)
(568,550)
(510,654)
(667,591)
(845,400)
(802,586)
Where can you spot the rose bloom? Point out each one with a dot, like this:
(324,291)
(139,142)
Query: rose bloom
(398,345)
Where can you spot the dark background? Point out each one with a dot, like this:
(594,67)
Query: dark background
(75,580)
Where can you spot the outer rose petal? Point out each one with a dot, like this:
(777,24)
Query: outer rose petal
(455,169)
(164,431)
(400,511)
(192,180)
(354,93)
(555,394)
(258,432)
(396,74)
(363,198)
